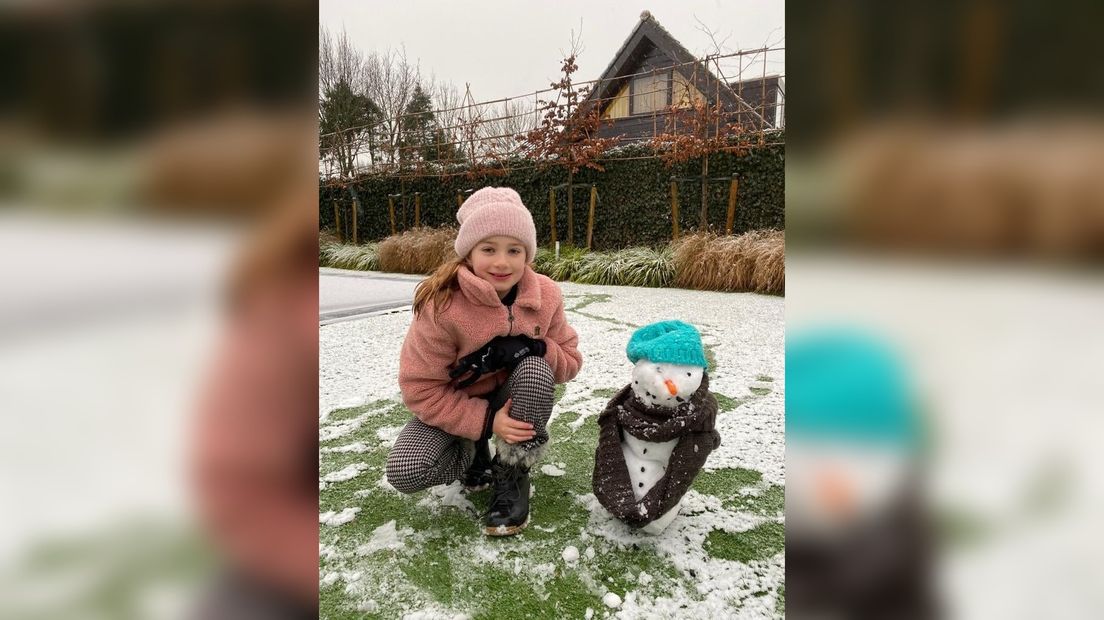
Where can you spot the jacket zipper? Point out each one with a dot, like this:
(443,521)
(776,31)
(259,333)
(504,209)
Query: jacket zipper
(510,317)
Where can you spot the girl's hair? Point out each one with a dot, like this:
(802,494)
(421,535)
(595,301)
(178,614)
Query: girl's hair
(436,290)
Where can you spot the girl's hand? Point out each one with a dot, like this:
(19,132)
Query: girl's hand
(509,429)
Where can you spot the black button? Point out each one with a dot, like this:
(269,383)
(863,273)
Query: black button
(641,484)
(645,450)
(641,470)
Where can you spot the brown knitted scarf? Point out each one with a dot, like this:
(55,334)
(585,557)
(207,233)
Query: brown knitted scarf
(692,423)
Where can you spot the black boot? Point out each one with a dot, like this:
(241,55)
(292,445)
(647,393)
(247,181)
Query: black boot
(509,510)
(478,476)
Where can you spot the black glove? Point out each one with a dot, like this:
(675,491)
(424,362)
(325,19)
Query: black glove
(501,352)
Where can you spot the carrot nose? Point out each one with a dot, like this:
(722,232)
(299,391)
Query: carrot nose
(670,386)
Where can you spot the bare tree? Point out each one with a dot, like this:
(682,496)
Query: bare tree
(446,96)
(345,111)
(338,60)
(507,119)
(390,80)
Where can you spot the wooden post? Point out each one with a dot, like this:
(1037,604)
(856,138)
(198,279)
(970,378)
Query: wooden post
(417,209)
(733,187)
(590,219)
(459,199)
(674,209)
(337,223)
(355,240)
(391,210)
(570,208)
(552,212)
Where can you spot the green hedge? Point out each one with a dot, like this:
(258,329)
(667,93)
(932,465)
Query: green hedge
(634,198)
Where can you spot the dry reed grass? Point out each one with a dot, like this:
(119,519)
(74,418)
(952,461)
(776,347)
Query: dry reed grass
(418,250)
(753,261)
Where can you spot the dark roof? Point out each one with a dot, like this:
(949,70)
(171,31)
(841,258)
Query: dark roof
(761,93)
(648,31)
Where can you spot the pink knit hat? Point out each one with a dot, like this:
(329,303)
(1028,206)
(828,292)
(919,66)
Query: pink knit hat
(495,211)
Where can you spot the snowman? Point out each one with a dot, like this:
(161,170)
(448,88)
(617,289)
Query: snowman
(656,433)
(857,538)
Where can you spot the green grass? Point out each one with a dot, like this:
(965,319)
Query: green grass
(629,267)
(445,563)
(758,543)
(639,266)
(725,403)
(561,269)
(112,572)
(727,484)
(348,256)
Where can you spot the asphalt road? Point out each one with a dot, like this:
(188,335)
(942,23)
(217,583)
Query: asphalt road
(349,295)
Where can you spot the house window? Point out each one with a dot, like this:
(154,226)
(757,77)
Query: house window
(650,93)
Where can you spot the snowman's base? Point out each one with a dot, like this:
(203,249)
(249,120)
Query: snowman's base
(656,527)
(505,530)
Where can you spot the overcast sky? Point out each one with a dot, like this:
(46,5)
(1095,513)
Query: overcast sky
(507,48)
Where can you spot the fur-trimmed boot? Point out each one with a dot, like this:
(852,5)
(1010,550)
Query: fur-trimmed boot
(508,513)
(479,476)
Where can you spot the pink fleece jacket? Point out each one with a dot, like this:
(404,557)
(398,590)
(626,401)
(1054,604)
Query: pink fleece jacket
(475,316)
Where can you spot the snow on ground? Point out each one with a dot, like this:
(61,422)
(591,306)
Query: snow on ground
(333,518)
(744,333)
(359,361)
(348,473)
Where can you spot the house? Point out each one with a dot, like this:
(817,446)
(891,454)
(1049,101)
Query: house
(652,72)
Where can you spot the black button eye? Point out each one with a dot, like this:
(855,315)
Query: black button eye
(687,374)
(641,470)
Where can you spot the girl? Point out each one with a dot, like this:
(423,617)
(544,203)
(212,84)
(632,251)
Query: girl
(487,345)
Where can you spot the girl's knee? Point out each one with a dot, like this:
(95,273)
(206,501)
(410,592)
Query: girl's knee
(535,373)
(405,473)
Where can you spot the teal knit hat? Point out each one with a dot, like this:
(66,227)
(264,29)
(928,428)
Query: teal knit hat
(846,384)
(670,342)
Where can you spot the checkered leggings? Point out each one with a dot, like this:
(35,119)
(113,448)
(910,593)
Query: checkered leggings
(425,456)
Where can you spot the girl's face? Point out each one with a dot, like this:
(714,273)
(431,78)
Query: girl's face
(499,260)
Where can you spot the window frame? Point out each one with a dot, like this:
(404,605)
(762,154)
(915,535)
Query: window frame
(668,75)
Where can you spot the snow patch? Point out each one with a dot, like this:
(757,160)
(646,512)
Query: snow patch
(552,470)
(453,495)
(577,423)
(384,484)
(611,600)
(386,536)
(340,429)
(389,434)
(334,519)
(350,472)
(353,447)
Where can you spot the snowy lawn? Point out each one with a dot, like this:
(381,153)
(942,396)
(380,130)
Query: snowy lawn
(385,554)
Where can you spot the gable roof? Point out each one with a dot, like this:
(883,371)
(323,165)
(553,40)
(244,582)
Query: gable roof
(649,32)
